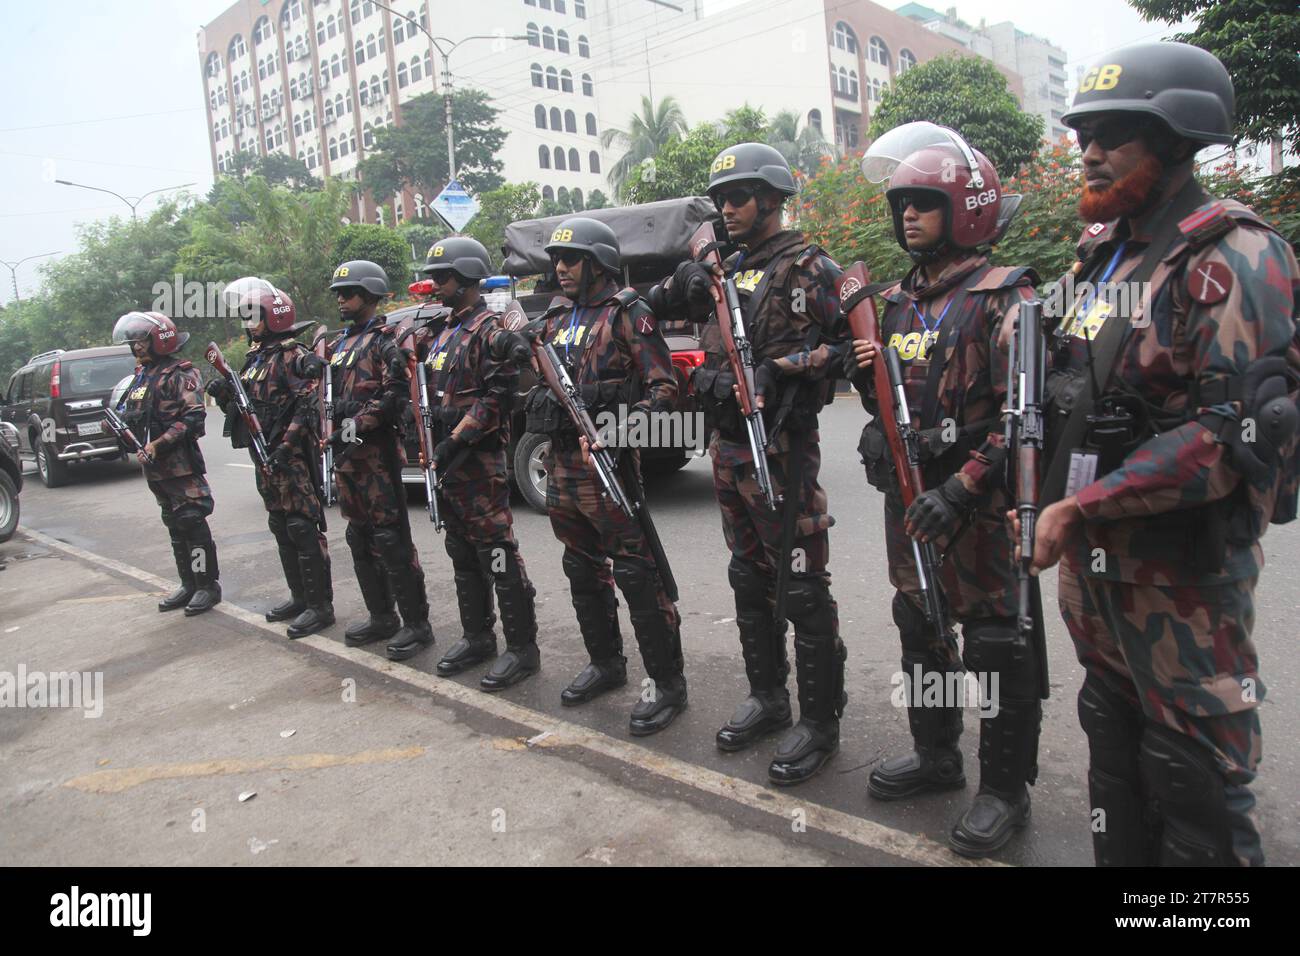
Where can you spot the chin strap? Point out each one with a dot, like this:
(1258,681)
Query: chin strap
(923,257)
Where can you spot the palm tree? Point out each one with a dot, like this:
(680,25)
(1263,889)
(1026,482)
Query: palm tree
(648,132)
(802,149)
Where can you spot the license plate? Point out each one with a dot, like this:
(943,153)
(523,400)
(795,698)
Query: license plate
(90,428)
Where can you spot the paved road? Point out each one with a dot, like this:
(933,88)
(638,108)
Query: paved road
(108,511)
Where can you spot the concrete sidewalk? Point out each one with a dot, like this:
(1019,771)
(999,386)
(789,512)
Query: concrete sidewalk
(353,760)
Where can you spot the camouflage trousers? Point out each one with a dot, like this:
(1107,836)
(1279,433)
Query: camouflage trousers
(478,512)
(1182,655)
(174,493)
(375,499)
(292,489)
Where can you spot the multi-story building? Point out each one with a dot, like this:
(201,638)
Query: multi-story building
(315,78)
(1040,63)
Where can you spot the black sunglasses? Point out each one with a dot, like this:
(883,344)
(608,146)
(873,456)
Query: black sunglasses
(737,196)
(1110,133)
(347,292)
(570,257)
(920,201)
(442,276)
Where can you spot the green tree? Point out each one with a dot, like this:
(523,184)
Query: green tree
(803,148)
(278,169)
(415,153)
(647,133)
(499,208)
(596,200)
(363,240)
(421,234)
(968,94)
(682,166)
(1257,40)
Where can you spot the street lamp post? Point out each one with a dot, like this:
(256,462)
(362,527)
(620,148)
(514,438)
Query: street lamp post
(138,199)
(13,270)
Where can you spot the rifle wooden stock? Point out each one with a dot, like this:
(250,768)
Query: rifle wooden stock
(255,433)
(122,432)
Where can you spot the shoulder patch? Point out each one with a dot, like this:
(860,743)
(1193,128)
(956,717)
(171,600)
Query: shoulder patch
(1209,282)
(1004,277)
(1096,229)
(626,297)
(807,255)
(185,365)
(1206,224)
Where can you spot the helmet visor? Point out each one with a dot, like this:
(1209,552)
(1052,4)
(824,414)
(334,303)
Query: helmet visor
(134,327)
(893,148)
(243,298)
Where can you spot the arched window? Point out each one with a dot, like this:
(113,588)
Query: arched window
(591,125)
(577,198)
(580,9)
(359,53)
(548,38)
(262,30)
(559,159)
(535,71)
(906,60)
(562,197)
(815,119)
(320,32)
(237,48)
(402,78)
(552,78)
(570,122)
(336,67)
(566,81)
(334,147)
(879,52)
(352,139)
(534,36)
(573,161)
(428,64)
(875,90)
(266,103)
(556,124)
(371,49)
(329,112)
(587,88)
(417,70)
(385,82)
(343,145)
(214,65)
(593,161)
(845,38)
(342,105)
(562,41)
(539,116)
(356,12)
(367,136)
(399,28)
(279,134)
(375,94)
(853,83)
(261,69)
(559,6)
(543,157)
(548,194)
(331,27)
(308,120)
(583,48)
(297,124)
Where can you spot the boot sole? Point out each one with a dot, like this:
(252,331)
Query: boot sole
(294,635)
(277,618)
(877,793)
(975,851)
(519,679)
(196,611)
(648,730)
(451,670)
(734,745)
(365,639)
(791,782)
(406,653)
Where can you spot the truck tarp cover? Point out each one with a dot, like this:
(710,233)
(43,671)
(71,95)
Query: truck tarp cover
(653,232)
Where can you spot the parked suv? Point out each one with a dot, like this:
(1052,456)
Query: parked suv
(56,401)
(11,480)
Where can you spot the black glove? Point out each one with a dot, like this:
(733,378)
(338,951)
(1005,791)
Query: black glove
(447,449)
(767,378)
(220,391)
(690,288)
(937,513)
(448,416)
(398,363)
(311,365)
(511,347)
(279,459)
(932,443)
(850,362)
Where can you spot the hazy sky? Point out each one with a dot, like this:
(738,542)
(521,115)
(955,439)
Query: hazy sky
(109,94)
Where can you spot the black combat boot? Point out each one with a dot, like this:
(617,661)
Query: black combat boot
(207,581)
(597,613)
(290,609)
(181,596)
(478,642)
(661,652)
(407,586)
(1008,757)
(804,750)
(767,708)
(935,763)
(522,658)
(382,622)
(318,593)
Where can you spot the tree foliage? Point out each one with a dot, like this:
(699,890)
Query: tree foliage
(803,148)
(968,94)
(647,133)
(1257,40)
(499,208)
(385,247)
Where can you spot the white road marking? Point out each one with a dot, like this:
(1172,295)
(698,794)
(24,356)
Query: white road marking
(911,847)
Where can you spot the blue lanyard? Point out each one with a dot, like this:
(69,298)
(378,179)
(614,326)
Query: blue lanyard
(360,335)
(1090,293)
(573,324)
(921,315)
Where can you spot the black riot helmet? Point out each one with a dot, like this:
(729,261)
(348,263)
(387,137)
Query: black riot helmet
(467,257)
(751,162)
(589,236)
(361,273)
(1184,87)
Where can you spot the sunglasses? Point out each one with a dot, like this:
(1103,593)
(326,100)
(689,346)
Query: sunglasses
(570,257)
(442,277)
(1109,134)
(736,197)
(920,201)
(348,292)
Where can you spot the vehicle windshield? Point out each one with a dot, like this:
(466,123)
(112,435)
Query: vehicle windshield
(79,378)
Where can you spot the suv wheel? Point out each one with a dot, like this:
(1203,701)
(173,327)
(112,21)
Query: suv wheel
(52,471)
(530,471)
(8,507)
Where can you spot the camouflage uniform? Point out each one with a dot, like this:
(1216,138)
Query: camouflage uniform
(787,295)
(165,405)
(286,405)
(1157,582)
(613,350)
(470,393)
(370,384)
(960,314)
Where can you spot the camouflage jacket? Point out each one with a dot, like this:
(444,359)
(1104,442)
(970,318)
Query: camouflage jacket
(971,299)
(286,404)
(165,405)
(1224,294)
(369,370)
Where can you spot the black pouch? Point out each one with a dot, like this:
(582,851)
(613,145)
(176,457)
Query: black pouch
(543,414)
(717,402)
(874,450)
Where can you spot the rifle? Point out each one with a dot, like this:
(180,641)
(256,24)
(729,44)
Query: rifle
(258,439)
(423,414)
(740,353)
(561,385)
(319,347)
(1024,434)
(854,288)
(124,435)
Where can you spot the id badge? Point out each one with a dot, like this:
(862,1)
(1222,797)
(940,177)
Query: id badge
(1083,471)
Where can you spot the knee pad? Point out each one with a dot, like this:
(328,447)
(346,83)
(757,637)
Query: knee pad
(1191,796)
(499,560)
(809,606)
(358,539)
(275,520)
(301,531)
(994,646)
(192,523)
(1113,727)
(914,631)
(750,584)
(459,550)
(393,545)
(580,572)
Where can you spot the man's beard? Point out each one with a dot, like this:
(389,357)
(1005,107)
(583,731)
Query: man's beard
(1124,197)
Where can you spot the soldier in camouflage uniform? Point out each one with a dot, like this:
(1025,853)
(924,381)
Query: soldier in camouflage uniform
(787,294)
(370,388)
(285,402)
(469,390)
(944,319)
(164,408)
(1163,484)
(611,345)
